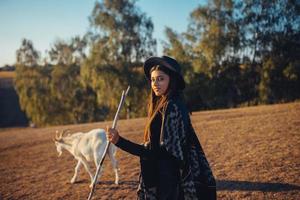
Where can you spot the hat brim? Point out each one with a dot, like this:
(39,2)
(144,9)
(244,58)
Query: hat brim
(153,61)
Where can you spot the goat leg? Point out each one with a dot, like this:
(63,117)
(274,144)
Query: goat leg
(73,180)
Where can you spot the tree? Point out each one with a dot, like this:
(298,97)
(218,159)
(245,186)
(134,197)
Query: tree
(273,29)
(208,52)
(52,94)
(31,83)
(32,86)
(213,33)
(123,31)
(71,102)
(248,50)
(26,54)
(68,53)
(121,37)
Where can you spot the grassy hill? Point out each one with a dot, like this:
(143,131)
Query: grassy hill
(254,154)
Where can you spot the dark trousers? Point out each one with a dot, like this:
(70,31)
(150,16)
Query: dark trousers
(169,181)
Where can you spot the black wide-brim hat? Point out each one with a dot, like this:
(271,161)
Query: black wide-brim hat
(168,62)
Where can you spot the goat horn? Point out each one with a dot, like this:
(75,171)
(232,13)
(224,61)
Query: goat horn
(56,135)
(64,132)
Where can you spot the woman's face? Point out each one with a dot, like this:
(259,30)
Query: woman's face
(159,82)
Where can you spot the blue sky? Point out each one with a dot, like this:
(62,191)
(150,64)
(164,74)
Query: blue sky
(44,21)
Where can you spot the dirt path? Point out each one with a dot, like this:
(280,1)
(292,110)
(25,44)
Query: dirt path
(254,153)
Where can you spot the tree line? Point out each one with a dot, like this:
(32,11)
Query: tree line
(233,53)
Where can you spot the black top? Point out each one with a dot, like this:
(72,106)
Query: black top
(154,150)
(154,158)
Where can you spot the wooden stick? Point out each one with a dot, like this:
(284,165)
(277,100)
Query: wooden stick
(124,94)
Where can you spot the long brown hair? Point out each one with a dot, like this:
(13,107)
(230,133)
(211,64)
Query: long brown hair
(159,103)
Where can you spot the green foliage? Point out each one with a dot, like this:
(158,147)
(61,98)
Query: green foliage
(123,33)
(233,53)
(239,52)
(68,53)
(275,29)
(122,38)
(26,54)
(32,86)
(72,102)
(54,94)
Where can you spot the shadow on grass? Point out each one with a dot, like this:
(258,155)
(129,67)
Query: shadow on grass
(221,185)
(255,186)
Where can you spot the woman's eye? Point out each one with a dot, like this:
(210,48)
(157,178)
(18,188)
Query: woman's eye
(160,78)
(157,79)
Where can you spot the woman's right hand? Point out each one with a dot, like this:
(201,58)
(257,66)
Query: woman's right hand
(112,135)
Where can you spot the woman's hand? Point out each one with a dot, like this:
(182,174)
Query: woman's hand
(112,135)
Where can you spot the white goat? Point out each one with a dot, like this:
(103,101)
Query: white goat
(85,147)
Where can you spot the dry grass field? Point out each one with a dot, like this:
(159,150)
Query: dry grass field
(7,74)
(6,79)
(254,153)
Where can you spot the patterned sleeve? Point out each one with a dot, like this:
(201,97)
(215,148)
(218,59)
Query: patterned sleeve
(174,134)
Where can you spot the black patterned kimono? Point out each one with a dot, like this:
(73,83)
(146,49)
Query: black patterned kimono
(174,149)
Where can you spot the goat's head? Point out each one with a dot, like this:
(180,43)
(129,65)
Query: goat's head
(58,140)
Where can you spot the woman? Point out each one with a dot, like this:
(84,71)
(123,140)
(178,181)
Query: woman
(173,164)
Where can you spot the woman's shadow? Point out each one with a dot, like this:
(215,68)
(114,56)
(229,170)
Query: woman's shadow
(221,185)
(255,186)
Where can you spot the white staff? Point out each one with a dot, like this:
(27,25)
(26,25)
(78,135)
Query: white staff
(124,94)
